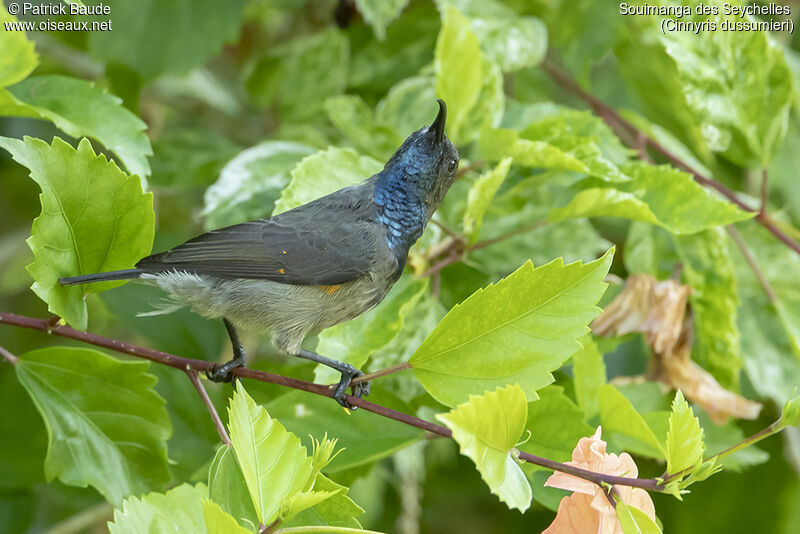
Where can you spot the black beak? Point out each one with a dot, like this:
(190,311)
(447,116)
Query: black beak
(438,124)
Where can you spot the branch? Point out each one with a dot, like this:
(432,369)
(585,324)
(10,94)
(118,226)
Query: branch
(751,262)
(619,124)
(12,359)
(184,364)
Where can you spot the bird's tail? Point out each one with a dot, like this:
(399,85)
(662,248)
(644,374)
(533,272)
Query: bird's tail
(101,277)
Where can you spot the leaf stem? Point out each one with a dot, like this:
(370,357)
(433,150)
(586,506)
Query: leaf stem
(12,359)
(764,193)
(617,122)
(381,372)
(324,529)
(198,385)
(751,262)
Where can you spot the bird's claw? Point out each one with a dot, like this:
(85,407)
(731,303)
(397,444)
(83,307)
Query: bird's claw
(224,372)
(359,390)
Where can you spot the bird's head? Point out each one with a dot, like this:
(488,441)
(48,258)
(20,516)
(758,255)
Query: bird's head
(426,162)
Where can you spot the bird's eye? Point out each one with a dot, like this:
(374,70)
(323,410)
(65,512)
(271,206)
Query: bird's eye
(451,165)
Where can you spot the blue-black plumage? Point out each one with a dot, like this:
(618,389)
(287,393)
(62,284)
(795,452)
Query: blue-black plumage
(312,267)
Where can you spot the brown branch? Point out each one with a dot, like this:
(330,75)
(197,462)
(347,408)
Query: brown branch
(382,372)
(619,124)
(195,379)
(764,194)
(751,262)
(178,362)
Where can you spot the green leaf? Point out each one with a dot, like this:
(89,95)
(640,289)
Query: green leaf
(356,340)
(518,330)
(337,511)
(251,183)
(364,437)
(744,117)
(459,71)
(220,522)
(566,140)
(708,268)
(629,429)
(227,488)
(356,121)
(178,510)
(19,55)
(409,105)
(512,41)
(790,415)
(302,74)
(657,195)
(78,108)
(379,13)
(634,521)
(94,218)
(191,157)
(685,445)
(325,172)
(480,197)
(278,472)
(487,428)
(589,374)
(155,37)
(555,425)
(106,425)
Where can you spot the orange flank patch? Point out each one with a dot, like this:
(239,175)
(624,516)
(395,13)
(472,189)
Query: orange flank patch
(282,270)
(330,290)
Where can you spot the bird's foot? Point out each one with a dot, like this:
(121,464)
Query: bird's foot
(224,372)
(360,389)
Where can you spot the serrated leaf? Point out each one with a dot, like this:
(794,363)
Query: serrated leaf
(634,521)
(250,183)
(337,511)
(356,121)
(79,108)
(685,445)
(106,425)
(629,429)
(325,172)
(278,472)
(355,341)
(518,330)
(480,197)
(554,425)
(379,13)
(567,140)
(459,72)
(364,437)
(147,39)
(657,195)
(94,218)
(220,522)
(487,428)
(178,510)
(19,55)
(227,488)
(589,374)
(708,268)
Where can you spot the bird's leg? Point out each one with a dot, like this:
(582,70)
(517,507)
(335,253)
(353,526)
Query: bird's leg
(348,373)
(222,373)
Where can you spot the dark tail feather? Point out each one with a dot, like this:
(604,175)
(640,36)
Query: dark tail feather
(101,277)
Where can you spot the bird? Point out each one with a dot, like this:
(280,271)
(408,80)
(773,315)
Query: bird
(303,270)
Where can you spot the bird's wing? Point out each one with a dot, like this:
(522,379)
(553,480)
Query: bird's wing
(326,242)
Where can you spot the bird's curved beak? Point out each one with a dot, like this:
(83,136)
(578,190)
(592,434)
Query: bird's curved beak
(439,122)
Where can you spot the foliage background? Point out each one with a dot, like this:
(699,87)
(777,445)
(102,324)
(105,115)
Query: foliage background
(211,80)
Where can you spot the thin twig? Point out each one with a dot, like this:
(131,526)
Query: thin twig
(452,233)
(502,237)
(12,359)
(764,194)
(619,124)
(751,261)
(81,521)
(195,379)
(178,362)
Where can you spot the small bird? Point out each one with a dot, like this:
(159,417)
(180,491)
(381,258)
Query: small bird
(307,269)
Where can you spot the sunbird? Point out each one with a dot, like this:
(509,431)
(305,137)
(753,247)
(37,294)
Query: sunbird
(307,269)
